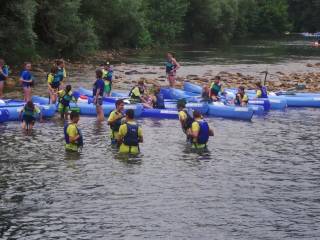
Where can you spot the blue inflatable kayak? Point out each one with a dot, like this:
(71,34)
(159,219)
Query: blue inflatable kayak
(4,115)
(90,109)
(86,92)
(194,88)
(173,93)
(232,112)
(160,113)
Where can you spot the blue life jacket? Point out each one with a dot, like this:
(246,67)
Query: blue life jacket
(159,104)
(131,138)
(5,70)
(67,139)
(169,66)
(203,136)
(264,92)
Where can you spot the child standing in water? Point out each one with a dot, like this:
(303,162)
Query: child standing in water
(171,69)
(28,115)
(4,73)
(72,134)
(107,77)
(26,80)
(65,97)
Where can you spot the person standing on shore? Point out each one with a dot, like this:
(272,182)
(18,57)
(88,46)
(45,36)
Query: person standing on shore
(171,69)
(98,89)
(4,73)
(26,80)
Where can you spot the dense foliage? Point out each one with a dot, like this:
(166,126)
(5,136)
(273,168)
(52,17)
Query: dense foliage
(78,27)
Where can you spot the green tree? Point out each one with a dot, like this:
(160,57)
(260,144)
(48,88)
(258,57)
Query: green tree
(17,38)
(60,29)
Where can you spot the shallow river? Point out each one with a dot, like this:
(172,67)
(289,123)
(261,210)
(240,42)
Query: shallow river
(258,180)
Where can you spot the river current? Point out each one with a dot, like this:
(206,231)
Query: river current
(258,180)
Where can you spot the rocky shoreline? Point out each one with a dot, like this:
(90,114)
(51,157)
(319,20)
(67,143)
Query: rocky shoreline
(81,73)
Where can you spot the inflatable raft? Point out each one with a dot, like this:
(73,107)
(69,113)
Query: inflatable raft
(232,112)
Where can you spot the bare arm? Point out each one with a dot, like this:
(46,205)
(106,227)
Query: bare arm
(176,63)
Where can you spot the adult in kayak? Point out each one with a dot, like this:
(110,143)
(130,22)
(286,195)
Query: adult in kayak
(115,120)
(26,80)
(184,117)
(4,73)
(241,97)
(171,68)
(158,99)
(261,91)
(137,93)
(65,97)
(200,131)
(215,89)
(72,134)
(53,84)
(28,116)
(130,135)
(98,88)
(107,77)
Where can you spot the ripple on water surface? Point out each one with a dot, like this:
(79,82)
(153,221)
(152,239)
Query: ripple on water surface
(258,180)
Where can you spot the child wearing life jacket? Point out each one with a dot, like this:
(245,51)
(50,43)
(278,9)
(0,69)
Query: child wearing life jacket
(200,131)
(115,120)
(53,84)
(130,135)
(158,99)
(185,119)
(28,115)
(65,97)
(242,98)
(72,134)
(107,77)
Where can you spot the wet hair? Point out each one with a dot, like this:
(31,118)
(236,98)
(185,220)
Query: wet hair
(54,69)
(196,114)
(130,113)
(2,62)
(74,115)
(99,73)
(181,103)
(68,88)
(217,78)
(30,105)
(118,102)
(241,88)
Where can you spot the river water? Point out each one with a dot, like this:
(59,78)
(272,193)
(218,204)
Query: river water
(258,180)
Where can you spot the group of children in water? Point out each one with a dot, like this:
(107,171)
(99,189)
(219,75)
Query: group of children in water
(125,131)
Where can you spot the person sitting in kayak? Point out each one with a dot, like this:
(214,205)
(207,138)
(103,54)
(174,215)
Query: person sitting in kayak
(28,115)
(215,89)
(241,97)
(158,99)
(137,92)
(65,97)
(206,93)
(200,131)
(130,135)
(115,120)
(184,117)
(72,134)
(261,91)
(107,77)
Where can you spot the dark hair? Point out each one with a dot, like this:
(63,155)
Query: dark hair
(59,61)
(130,113)
(258,84)
(68,88)
(181,103)
(99,73)
(118,102)
(241,88)
(217,78)
(141,82)
(54,69)
(74,115)
(30,105)
(196,114)
(171,53)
